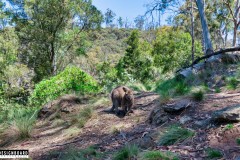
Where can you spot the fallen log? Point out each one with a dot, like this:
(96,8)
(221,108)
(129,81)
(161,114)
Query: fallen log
(221,51)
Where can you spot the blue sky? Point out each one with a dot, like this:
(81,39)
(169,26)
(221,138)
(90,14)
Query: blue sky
(123,8)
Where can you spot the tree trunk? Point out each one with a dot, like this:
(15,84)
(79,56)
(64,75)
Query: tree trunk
(53,60)
(234,36)
(192,30)
(206,34)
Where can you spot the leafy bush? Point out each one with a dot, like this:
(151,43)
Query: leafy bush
(198,95)
(71,79)
(107,76)
(175,134)
(173,87)
(213,153)
(217,90)
(127,152)
(172,49)
(232,83)
(238,141)
(20,119)
(228,127)
(24,125)
(73,154)
(17,82)
(156,155)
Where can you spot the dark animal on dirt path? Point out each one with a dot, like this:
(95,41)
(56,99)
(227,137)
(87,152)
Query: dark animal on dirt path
(122,96)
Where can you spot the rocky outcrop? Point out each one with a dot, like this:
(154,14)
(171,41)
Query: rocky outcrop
(209,63)
(177,106)
(162,112)
(228,114)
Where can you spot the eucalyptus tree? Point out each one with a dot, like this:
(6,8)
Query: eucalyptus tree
(233,7)
(51,32)
(120,22)
(173,5)
(109,17)
(139,22)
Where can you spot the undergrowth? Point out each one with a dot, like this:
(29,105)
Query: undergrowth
(174,134)
(74,154)
(158,155)
(213,153)
(127,152)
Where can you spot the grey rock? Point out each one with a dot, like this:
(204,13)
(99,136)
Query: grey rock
(157,116)
(228,114)
(145,142)
(185,119)
(202,123)
(177,106)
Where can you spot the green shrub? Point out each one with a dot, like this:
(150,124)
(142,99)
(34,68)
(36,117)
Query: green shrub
(198,95)
(217,90)
(172,49)
(71,79)
(127,152)
(74,154)
(157,155)
(181,88)
(173,87)
(213,153)
(232,83)
(228,127)
(20,118)
(238,141)
(24,125)
(175,134)
(17,82)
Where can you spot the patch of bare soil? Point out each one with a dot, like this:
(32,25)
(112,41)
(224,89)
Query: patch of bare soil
(109,132)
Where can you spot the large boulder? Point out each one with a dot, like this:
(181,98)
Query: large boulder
(158,116)
(228,114)
(177,106)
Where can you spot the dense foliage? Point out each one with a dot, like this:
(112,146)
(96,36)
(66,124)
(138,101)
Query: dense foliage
(172,49)
(71,79)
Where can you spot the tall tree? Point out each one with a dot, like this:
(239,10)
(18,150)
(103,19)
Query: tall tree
(206,34)
(52,31)
(163,5)
(109,17)
(234,10)
(120,22)
(139,22)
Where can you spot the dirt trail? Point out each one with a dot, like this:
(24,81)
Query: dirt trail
(110,132)
(105,129)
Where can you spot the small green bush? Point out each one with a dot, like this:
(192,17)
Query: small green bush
(74,154)
(228,127)
(19,118)
(238,141)
(24,125)
(175,134)
(198,95)
(175,86)
(127,152)
(71,79)
(157,155)
(217,90)
(232,83)
(213,153)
